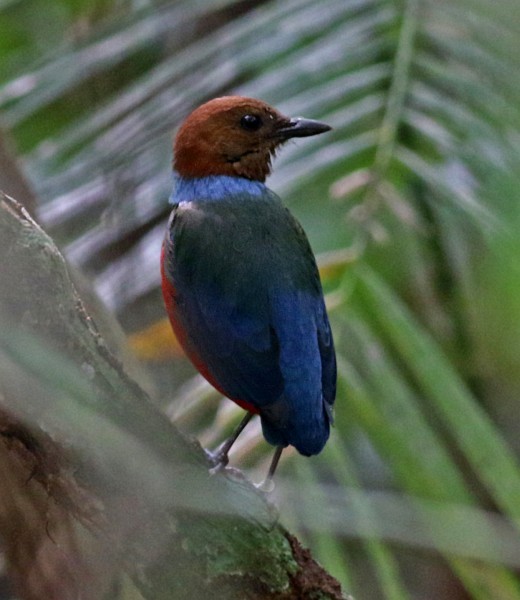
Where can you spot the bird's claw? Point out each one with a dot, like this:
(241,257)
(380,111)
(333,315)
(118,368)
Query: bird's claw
(266,486)
(218,460)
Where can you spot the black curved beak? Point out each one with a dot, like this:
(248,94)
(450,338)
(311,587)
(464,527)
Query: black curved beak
(300,127)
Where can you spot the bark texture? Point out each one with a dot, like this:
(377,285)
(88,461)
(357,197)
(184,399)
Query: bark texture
(101,496)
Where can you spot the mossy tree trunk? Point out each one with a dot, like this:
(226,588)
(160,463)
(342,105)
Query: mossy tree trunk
(100,493)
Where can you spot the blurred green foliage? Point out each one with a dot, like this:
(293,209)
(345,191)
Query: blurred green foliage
(416,191)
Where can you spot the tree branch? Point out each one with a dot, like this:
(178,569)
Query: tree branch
(102,494)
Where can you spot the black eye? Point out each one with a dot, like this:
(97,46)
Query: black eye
(251,122)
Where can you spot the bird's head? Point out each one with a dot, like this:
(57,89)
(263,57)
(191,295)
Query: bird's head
(235,136)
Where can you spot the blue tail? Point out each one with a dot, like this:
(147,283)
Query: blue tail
(308,433)
(301,416)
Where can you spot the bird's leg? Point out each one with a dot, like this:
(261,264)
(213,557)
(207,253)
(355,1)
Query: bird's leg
(267,485)
(220,457)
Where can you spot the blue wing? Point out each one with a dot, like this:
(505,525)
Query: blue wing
(251,304)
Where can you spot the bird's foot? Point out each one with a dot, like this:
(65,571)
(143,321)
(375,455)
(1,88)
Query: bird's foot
(267,485)
(218,459)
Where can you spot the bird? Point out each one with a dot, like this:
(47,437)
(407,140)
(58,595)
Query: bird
(239,279)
